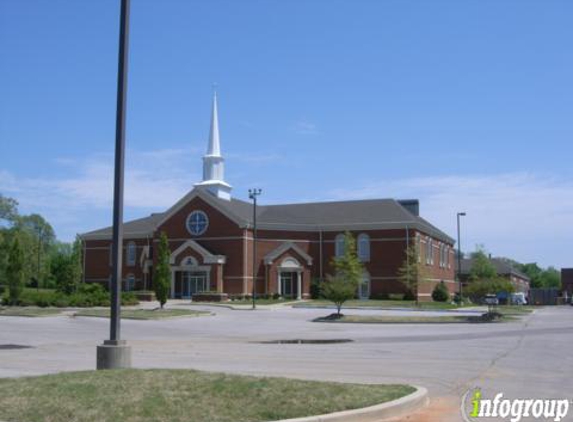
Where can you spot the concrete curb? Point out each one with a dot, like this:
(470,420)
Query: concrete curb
(376,413)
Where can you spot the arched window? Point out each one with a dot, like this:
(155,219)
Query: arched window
(131,252)
(189,261)
(364,247)
(339,244)
(429,251)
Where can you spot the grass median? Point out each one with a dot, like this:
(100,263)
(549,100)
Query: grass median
(391,319)
(179,396)
(143,314)
(29,311)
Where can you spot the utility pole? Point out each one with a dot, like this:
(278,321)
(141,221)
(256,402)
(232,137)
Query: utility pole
(115,353)
(253,193)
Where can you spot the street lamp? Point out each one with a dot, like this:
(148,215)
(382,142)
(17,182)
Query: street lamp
(253,193)
(460,214)
(115,353)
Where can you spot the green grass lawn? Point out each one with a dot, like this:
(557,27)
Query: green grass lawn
(247,302)
(319,303)
(145,314)
(412,319)
(28,311)
(179,396)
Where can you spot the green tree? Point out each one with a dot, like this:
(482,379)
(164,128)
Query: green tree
(440,293)
(533,271)
(162,273)
(338,290)
(482,268)
(349,272)
(8,209)
(551,278)
(348,266)
(478,289)
(66,266)
(15,271)
(412,272)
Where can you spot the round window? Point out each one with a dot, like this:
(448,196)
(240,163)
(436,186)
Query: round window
(197,223)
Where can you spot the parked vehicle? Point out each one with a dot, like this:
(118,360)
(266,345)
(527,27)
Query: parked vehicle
(518,298)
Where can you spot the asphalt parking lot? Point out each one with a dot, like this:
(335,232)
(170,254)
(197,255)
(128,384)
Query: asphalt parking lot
(526,358)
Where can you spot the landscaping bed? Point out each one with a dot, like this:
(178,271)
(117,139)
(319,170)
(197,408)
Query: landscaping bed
(413,319)
(144,314)
(179,396)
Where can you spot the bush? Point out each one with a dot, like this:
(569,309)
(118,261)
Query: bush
(476,290)
(315,288)
(87,295)
(409,295)
(440,293)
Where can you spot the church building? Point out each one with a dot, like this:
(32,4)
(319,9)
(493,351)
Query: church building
(211,242)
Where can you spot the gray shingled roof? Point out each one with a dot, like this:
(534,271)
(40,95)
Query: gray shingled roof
(326,216)
(502,267)
(141,226)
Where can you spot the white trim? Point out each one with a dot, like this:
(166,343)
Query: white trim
(279,250)
(208,257)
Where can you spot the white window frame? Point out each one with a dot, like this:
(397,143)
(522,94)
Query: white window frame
(339,245)
(131,254)
(363,247)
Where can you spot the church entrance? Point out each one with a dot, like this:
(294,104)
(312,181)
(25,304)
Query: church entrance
(187,283)
(289,284)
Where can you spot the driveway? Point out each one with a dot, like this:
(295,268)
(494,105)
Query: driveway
(527,358)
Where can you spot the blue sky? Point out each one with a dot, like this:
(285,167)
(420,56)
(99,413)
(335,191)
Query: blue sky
(466,105)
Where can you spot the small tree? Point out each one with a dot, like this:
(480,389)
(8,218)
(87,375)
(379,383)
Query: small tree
(162,273)
(15,271)
(440,293)
(338,290)
(349,272)
(412,272)
(349,266)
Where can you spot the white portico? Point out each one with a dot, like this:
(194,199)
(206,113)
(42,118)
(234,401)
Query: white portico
(194,269)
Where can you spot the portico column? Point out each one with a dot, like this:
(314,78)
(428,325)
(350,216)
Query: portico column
(298,285)
(172,293)
(279,289)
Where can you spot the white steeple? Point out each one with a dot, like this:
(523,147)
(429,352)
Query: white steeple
(213,162)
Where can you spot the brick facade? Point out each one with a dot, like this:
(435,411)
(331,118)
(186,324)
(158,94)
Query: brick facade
(223,255)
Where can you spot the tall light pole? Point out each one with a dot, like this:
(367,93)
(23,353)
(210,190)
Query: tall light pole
(460,214)
(115,353)
(253,193)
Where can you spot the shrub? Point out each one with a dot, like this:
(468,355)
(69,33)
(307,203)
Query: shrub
(315,288)
(440,293)
(476,290)
(409,295)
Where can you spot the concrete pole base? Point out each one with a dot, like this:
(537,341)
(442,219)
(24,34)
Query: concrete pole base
(113,354)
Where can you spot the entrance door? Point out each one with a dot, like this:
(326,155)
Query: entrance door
(288,284)
(191,283)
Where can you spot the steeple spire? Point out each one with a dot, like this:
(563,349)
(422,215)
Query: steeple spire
(213,162)
(214,143)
